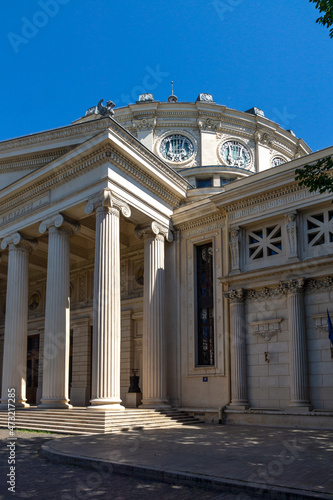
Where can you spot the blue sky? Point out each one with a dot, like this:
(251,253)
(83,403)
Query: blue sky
(60,57)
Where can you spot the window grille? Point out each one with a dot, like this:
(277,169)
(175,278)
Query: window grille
(264,242)
(319,228)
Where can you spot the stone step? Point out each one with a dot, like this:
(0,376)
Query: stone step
(93,418)
(101,425)
(83,421)
(82,429)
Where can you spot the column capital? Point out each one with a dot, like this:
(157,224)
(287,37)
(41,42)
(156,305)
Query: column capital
(59,222)
(18,240)
(106,199)
(155,229)
(235,295)
(291,216)
(295,286)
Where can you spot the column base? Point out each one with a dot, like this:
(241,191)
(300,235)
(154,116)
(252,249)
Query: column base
(105,405)
(240,405)
(19,405)
(300,406)
(155,404)
(54,404)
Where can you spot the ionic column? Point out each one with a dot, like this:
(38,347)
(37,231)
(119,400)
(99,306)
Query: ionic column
(57,313)
(239,398)
(154,340)
(105,392)
(16,320)
(297,338)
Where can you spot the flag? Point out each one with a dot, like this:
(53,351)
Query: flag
(330,327)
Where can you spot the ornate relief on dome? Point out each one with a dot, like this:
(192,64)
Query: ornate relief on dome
(144,124)
(277,160)
(209,124)
(234,153)
(177,147)
(264,138)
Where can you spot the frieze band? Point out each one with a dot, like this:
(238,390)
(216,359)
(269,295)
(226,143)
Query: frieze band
(284,288)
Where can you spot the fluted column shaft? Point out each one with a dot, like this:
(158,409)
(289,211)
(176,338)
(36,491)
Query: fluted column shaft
(297,337)
(154,340)
(107,313)
(16,326)
(105,389)
(57,321)
(239,397)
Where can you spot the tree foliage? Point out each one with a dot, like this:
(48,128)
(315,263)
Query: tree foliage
(326,7)
(316,177)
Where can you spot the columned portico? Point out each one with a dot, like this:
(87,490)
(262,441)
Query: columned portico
(239,397)
(57,313)
(298,361)
(105,393)
(154,336)
(16,323)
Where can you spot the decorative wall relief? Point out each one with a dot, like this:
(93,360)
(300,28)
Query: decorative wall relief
(234,244)
(292,234)
(267,329)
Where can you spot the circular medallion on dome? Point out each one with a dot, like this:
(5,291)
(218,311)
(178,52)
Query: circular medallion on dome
(235,154)
(176,148)
(278,160)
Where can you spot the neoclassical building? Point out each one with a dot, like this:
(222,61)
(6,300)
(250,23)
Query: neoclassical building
(170,240)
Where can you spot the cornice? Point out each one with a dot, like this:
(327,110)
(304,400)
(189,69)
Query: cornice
(316,266)
(268,196)
(31,162)
(203,221)
(56,134)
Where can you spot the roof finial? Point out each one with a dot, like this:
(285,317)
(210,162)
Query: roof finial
(172,97)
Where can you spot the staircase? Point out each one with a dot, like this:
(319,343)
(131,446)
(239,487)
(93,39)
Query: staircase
(83,421)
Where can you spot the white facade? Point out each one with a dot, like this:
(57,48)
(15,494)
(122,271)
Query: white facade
(170,239)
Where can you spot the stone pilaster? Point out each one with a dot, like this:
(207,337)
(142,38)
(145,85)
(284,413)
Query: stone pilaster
(106,314)
(57,313)
(239,398)
(154,340)
(16,320)
(297,338)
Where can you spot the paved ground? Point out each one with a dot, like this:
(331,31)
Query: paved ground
(38,478)
(265,457)
(272,458)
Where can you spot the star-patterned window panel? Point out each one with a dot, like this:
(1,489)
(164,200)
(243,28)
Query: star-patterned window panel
(264,242)
(319,228)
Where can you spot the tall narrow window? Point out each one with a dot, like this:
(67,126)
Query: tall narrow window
(205,305)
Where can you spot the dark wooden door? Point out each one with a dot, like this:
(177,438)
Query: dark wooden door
(32,368)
